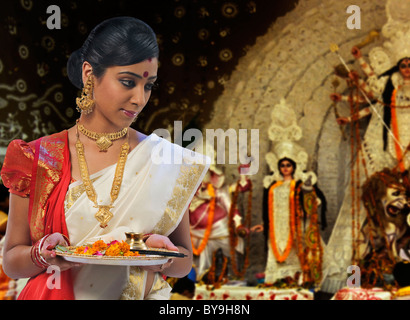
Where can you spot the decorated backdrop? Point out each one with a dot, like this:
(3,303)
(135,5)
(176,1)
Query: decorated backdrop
(223,64)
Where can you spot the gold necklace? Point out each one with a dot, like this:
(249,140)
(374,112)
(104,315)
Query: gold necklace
(103,215)
(103,140)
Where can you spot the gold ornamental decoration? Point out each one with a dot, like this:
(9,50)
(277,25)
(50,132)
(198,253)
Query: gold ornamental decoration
(103,215)
(103,140)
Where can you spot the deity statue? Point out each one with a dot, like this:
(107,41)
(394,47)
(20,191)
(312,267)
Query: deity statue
(208,214)
(291,201)
(385,196)
(387,95)
(383,93)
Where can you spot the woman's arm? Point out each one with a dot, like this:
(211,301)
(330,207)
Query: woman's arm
(179,240)
(17,262)
(181,237)
(16,255)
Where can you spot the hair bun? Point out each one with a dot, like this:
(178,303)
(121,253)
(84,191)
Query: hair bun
(74,69)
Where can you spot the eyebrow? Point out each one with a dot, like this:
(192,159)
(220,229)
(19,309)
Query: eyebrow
(136,75)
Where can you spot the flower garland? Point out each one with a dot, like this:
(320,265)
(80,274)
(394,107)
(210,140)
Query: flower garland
(233,238)
(211,213)
(395,129)
(282,257)
(310,257)
(222,279)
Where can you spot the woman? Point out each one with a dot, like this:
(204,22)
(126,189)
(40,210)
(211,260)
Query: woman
(287,219)
(394,88)
(100,178)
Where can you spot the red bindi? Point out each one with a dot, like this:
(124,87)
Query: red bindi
(145,74)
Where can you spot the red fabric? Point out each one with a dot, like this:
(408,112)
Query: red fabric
(16,169)
(54,221)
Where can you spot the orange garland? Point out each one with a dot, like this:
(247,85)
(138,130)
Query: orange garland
(395,129)
(233,238)
(222,279)
(317,250)
(211,213)
(282,257)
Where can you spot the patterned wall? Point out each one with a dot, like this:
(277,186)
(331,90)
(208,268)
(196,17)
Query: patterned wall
(200,42)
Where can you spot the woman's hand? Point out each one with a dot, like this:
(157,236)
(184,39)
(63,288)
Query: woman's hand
(159,241)
(162,242)
(47,252)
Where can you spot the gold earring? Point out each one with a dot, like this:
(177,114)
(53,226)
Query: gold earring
(85,103)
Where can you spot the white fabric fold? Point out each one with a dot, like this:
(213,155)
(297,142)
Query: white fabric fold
(155,192)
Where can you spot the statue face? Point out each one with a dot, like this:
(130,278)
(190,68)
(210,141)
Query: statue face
(395,204)
(286,168)
(404,68)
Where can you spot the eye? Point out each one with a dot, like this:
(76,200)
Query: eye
(396,193)
(151,86)
(128,83)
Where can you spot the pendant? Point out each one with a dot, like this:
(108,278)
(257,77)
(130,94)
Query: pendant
(104,215)
(104,143)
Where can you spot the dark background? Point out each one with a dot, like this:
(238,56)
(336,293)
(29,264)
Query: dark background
(200,44)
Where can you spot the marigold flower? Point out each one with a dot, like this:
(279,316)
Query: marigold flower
(100,248)
(100,245)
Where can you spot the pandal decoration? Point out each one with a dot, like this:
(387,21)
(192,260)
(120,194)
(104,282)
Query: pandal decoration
(211,213)
(233,237)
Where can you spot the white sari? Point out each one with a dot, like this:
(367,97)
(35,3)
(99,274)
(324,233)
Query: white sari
(153,199)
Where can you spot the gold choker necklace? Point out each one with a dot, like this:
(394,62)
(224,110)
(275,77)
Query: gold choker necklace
(103,215)
(103,140)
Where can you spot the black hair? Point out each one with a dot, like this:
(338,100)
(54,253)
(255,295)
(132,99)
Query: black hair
(387,95)
(293,163)
(118,41)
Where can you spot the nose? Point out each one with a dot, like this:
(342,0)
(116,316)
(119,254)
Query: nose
(139,97)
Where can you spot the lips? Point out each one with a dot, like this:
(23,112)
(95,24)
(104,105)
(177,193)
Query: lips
(129,113)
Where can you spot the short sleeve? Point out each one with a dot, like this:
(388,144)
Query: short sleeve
(17,167)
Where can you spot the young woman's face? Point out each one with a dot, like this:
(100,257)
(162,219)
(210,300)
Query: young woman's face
(405,68)
(286,168)
(123,91)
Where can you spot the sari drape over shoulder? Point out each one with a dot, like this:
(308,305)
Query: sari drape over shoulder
(41,170)
(160,179)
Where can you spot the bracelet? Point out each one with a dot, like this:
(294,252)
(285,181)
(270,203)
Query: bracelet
(66,239)
(35,254)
